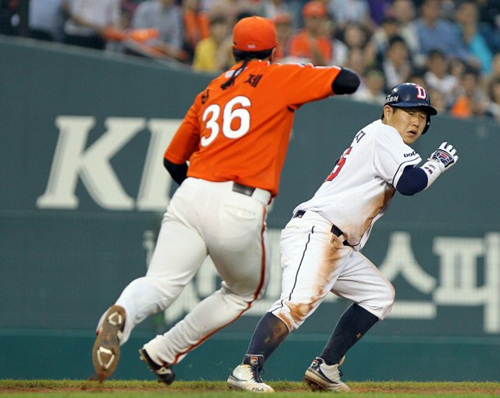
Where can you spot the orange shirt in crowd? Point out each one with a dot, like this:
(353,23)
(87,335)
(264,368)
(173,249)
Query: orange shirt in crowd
(301,45)
(196,26)
(462,107)
(242,133)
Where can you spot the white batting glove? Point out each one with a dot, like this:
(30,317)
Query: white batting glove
(445,156)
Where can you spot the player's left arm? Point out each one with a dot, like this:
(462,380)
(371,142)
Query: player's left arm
(416,179)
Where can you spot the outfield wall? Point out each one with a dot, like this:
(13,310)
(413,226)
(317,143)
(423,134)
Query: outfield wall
(83,190)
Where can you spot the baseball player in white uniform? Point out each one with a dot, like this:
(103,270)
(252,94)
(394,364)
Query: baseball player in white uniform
(320,246)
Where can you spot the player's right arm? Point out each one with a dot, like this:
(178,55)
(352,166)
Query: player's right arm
(346,82)
(184,144)
(178,172)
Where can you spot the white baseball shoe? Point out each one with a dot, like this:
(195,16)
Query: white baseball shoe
(106,350)
(247,376)
(322,377)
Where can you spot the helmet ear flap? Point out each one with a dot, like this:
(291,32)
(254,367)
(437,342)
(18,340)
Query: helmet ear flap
(427,125)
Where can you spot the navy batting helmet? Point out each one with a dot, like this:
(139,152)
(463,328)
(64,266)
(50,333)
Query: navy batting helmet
(411,95)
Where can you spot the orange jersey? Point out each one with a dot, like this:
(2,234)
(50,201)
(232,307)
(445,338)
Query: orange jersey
(242,133)
(301,46)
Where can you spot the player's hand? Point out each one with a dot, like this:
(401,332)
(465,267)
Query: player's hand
(445,156)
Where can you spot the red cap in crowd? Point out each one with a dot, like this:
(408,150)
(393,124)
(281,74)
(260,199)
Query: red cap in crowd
(314,9)
(255,34)
(282,18)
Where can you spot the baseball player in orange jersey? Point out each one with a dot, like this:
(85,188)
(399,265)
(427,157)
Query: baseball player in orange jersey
(321,244)
(235,137)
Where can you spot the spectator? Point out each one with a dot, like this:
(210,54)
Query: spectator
(209,54)
(405,13)
(272,9)
(472,100)
(439,78)
(449,8)
(457,68)
(490,19)
(388,29)
(167,17)
(439,100)
(495,71)
(356,36)
(46,20)
(340,49)
(88,21)
(284,30)
(494,99)
(379,10)
(373,88)
(467,17)
(311,44)
(347,11)
(233,9)
(356,62)
(397,65)
(196,26)
(418,78)
(434,32)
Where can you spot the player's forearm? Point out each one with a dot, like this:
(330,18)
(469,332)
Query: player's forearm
(412,181)
(178,172)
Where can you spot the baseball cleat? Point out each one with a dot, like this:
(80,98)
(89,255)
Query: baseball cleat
(164,372)
(106,350)
(322,377)
(247,376)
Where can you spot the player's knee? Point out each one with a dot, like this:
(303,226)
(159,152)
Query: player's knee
(247,290)
(386,300)
(380,304)
(294,314)
(240,298)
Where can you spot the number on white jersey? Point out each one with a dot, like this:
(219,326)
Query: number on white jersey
(341,161)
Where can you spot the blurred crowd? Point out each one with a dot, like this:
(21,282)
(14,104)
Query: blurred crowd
(450,47)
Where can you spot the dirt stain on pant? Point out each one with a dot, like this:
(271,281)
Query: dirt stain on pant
(295,313)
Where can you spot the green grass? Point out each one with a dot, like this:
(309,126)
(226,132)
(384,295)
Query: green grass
(151,389)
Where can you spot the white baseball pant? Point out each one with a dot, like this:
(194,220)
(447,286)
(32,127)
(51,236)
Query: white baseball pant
(315,262)
(203,218)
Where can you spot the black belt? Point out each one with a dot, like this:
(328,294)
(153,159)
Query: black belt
(243,189)
(335,230)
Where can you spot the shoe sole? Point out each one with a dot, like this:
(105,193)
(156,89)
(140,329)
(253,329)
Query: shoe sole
(316,383)
(313,386)
(106,350)
(236,384)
